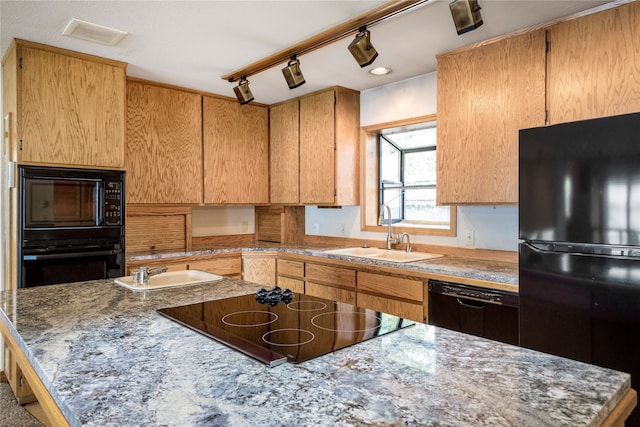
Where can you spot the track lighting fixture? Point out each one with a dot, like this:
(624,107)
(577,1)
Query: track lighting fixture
(292,73)
(362,49)
(466,15)
(243,93)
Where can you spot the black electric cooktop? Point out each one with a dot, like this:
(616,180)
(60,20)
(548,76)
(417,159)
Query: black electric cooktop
(275,326)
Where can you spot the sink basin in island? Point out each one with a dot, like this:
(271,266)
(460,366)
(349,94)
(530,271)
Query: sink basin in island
(384,254)
(169,279)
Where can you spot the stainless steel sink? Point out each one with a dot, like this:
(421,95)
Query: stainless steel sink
(384,254)
(169,279)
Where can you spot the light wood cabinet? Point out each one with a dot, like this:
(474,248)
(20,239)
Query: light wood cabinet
(226,264)
(593,65)
(314,149)
(164,145)
(284,152)
(485,95)
(259,267)
(290,275)
(69,107)
(402,297)
(335,283)
(236,152)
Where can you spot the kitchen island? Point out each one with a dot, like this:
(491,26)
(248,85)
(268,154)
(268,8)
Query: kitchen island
(106,357)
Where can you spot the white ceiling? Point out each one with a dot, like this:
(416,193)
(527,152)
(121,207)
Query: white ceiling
(193,43)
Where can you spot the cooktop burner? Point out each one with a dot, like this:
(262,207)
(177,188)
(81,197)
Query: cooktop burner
(275,326)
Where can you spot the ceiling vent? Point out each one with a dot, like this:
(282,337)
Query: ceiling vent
(93,32)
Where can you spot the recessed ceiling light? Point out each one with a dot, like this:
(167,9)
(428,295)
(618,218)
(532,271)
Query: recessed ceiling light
(93,32)
(380,71)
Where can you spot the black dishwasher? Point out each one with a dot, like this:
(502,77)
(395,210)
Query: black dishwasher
(487,313)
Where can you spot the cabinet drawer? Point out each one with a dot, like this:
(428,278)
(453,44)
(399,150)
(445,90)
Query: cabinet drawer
(229,266)
(402,309)
(294,284)
(393,286)
(330,293)
(291,268)
(341,277)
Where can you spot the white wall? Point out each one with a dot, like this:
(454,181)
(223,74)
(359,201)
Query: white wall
(493,227)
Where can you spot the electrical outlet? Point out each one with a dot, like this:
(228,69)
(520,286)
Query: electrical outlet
(316,228)
(343,231)
(470,238)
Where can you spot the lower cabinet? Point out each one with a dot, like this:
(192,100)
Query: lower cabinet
(335,283)
(389,293)
(290,275)
(402,297)
(259,267)
(227,264)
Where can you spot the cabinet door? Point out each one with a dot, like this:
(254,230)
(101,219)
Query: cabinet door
(485,96)
(330,292)
(236,152)
(72,110)
(284,152)
(317,148)
(164,140)
(259,268)
(593,65)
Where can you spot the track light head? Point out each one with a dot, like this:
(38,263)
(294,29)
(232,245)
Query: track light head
(362,49)
(292,73)
(466,15)
(243,93)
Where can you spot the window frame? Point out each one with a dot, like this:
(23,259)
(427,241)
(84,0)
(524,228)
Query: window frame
(370,193)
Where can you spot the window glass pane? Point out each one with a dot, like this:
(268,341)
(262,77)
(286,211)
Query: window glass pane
(389,162)
(420,205)
(416,138)
(393,199)
(420,167)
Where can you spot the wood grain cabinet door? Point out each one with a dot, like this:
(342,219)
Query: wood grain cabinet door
(485,96)
(317,148)
(164,140)
(72,110)
(236,152)
(594,65)
(284,166)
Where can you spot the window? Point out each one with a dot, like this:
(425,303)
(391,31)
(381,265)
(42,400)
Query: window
(404,178)
(407,161)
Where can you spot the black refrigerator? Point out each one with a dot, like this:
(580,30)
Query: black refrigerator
(579,250)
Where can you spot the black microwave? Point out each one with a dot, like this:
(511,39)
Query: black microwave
(54,198)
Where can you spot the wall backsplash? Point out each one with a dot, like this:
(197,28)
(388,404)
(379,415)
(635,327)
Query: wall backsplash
(222,220)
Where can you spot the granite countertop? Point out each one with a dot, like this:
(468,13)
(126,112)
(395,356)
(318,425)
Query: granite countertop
(494,271)
(109,359)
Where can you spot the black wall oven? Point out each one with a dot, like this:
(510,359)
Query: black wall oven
(71,225)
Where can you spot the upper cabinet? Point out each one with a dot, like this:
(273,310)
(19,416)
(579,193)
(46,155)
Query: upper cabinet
(314,149)
(164,145)
(69,107)
(485,96)
(594,65)
(235,151)
(284,152)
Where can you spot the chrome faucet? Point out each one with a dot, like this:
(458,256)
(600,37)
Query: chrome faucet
(390,239)
(144,273)
(408,247)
